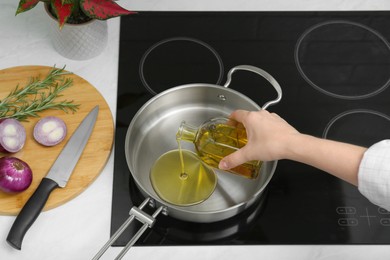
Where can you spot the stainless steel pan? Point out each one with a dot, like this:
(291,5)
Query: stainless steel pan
(151,133)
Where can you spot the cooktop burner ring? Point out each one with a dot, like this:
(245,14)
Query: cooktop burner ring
(174,39)
(364,133)
(366,31)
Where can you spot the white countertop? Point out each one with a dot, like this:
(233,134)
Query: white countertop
(77,229)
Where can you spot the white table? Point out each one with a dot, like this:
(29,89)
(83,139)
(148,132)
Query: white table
(77,229)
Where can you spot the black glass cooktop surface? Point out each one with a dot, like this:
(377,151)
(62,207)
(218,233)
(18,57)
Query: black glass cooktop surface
(334,69)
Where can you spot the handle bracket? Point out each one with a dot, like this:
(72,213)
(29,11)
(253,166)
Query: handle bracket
(135,213)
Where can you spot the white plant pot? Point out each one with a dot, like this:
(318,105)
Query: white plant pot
(79,41)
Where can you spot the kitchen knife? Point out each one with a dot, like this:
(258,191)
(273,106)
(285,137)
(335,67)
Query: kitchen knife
(58,176)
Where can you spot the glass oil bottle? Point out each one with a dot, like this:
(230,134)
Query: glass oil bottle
(217,138)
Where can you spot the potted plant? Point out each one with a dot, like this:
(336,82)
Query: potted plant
(77,11)
(81,28)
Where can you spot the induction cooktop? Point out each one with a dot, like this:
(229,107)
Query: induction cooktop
(334,69)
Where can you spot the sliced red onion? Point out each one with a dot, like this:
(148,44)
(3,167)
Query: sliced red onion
(50,131)
(12,135)
(15,175)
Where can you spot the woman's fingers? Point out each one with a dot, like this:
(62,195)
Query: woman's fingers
(232,160)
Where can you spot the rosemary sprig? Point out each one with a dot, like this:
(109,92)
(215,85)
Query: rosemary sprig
(38,95)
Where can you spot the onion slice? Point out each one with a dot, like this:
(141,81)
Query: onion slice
(15,175)
(12,135)
(50,131)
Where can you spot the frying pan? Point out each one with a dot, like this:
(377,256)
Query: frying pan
(151,133)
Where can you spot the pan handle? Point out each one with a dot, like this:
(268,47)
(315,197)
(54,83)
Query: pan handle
(262,73)
(135,213)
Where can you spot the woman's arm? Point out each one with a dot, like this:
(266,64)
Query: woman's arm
(339,159)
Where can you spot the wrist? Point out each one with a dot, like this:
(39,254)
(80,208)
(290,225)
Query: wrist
(296,146)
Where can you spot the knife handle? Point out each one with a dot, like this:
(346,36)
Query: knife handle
(30,212)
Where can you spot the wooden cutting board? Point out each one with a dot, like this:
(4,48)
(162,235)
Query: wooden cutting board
(40,158)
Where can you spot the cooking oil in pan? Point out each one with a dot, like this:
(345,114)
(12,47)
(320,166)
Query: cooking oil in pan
(181,178)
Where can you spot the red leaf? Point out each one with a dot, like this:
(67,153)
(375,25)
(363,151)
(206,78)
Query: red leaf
(62,11)
(103,9)
(25,5)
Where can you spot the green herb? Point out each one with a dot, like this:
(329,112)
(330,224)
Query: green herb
(38,95)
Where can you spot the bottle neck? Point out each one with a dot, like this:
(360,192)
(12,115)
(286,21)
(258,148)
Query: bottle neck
(186,132)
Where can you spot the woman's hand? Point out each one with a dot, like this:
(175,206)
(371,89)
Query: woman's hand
(267,135)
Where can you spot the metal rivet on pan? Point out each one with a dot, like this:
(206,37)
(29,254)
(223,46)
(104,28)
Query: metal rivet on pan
(222,97)
(152,203)
(165,211)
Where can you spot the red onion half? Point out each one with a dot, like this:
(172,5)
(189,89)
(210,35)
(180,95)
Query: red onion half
(50,131)
(15,175)
(12,135)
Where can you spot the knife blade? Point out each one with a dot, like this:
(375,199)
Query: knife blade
(57,177)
